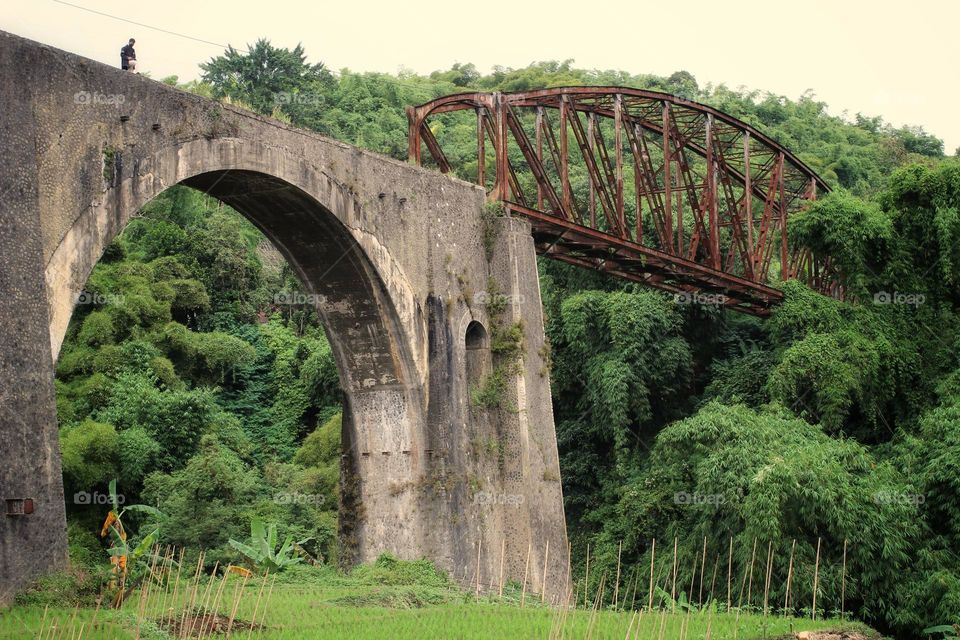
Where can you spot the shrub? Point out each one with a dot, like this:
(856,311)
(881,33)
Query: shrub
(89,454)
(97,329)
(389,570)
(322,446)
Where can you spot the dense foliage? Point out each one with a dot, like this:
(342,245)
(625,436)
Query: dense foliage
(831,422)
(183,379)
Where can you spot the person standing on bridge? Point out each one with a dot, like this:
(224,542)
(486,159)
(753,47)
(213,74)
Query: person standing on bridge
(128,57)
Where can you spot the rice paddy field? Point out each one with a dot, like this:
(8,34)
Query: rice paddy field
(300,615)
(315,604)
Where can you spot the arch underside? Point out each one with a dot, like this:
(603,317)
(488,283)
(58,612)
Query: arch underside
(330,264)
(678,195)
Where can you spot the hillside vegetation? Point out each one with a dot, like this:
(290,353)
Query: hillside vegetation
(187,375)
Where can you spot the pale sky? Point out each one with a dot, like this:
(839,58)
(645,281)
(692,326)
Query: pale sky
(898,60)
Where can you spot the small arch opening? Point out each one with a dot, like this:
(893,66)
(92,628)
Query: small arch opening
(476,336)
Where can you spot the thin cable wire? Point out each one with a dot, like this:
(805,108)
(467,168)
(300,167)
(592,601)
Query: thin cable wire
(146,26)
(393,79)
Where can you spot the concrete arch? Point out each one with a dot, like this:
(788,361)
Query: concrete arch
(306,213)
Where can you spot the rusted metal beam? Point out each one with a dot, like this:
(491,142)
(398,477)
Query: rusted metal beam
(667,178)
(427,136)
(740,167)
(533,161)
(481,148)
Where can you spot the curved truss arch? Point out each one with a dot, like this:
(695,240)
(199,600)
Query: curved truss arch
(645,185)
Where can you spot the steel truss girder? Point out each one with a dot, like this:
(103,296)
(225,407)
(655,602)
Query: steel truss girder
(687,159)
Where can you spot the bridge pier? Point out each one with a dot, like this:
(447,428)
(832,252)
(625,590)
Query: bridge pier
(30,479)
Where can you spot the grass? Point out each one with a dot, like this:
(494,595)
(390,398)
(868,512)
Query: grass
(389,599)
(296,613)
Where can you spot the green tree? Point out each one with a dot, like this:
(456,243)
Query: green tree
(268,77)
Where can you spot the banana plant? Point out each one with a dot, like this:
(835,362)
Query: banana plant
(262,550)
(122,556)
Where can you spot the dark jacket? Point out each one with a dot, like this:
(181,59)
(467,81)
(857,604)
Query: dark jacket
(127,53)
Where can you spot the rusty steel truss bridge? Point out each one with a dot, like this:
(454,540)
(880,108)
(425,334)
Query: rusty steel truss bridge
(643,185)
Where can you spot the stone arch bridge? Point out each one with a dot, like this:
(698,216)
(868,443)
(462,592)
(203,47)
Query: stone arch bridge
(394,251)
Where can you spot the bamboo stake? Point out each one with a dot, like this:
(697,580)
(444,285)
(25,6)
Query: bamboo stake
(713,582)
(236,604)
(216,601)
(693,579)
(729,573)
(766,582)
(569,608)
(750,587)
(503,550)
(636,634)
(73,620)
(630,627)
(743,588)
(43,622)
(176,586)
(526,566)
(843,580)
(663,619)
(816,576)
(166,574)
(269,595)
(193,596)
(636,581)
(543,587)
(673,587)
(703,567)
(596,605)
(144,592)
(616,585)
(666,577)
(205,599)
(653,554)
(586,578)
(786,597)
(256,607)
(555,623)
(766,573)
(479,550)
